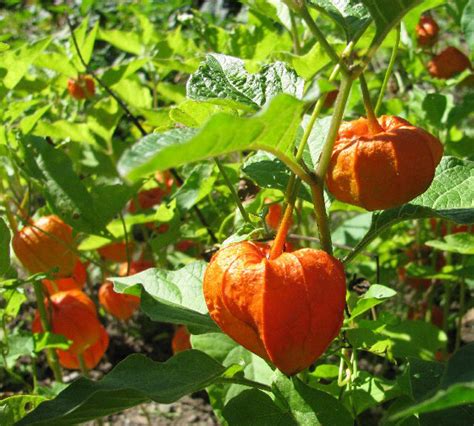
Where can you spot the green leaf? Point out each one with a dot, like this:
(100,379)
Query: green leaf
(462,243)
(29,122)
(64,190)
(197,186)
(19,344)
(192,113)
(216,345)
(14,408)
(350,15)
(450,197)
(459,368)
(376,295)
(16,62)
(133,381)
(171,296)
(310,406)
(225,78)
(269,172)
(276,10)
(50,341)
(467,24)
(126,41)
(85,42)
(255,408)
(456,388)
(4,248)
(274,130)
(434,106)
(386,15)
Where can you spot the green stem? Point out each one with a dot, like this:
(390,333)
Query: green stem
(462,307)
(294,34)
(303,11)
(317,188)
(388,73)
(374,126)
(127,248)
(244,382)
(83,366)
(232,190)
(52,356)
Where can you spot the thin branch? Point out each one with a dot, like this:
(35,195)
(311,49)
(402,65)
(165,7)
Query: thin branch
(133,119)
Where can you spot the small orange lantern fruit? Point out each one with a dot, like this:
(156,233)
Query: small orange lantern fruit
(426,31)
(448,63)
(383,169)
(92,355)
(82,87)
(75,282)
(121,306)
(147,199)
(286,310)
(181,340)
(73,315)
(115,252)
(45,244)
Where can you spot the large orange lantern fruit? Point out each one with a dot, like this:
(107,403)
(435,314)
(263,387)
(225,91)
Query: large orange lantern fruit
(45,244)
(448,63)
(286,310)
(75,282)
(92,355)
(426,31)
(382,169)
(121,306)
(72,315)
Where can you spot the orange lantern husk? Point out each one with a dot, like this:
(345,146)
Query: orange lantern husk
(82,87)
(92,355)
(382,170)
(427,31)
(75,282)
(72,315)
(116,252)
(46,244)
(119,305)
(181,340)
(286,310)
(448,63)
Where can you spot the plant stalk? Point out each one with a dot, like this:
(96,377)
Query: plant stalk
(388,73)
(43,314)
(232,190)
(374,126)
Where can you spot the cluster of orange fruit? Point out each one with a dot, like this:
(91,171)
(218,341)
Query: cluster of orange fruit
(47,245)
(448,62)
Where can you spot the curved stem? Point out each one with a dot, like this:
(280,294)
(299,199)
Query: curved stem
(388,73)
(83,366)
(232,190)
(462,308)
(127,246)
(374,126)
(294,34)
(244,382)
(52,356)
(317,188)
(279,243)
(303,11)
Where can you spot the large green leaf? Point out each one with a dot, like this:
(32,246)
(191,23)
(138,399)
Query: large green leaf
(386,14)
(4,248)
(450,196)
(225,78)
(133,381)
(310,406)
(269,172)
(456,388)
(255,408)
(16,62)
(273,130)
(351,15)
(69,198)
(171,296)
